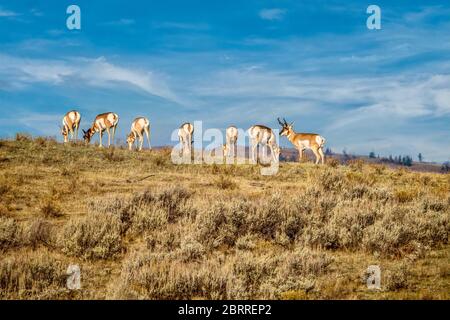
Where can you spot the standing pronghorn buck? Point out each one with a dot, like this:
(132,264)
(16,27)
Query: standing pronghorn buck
(303,141)
(264,136)
(231,136)
(139,126)
(70,123)
(105,121)
(185,133)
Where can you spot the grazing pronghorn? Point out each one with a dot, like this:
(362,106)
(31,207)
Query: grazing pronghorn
(102,122)
(231,136)
(139,126)
(185,133)
(304,141)
(70,123)
(263,135)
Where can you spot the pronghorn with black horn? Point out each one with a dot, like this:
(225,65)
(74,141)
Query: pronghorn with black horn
(185,133)
(231,136)
(70,124)
(103,122)
(263,135)
(303,141)
(139,126)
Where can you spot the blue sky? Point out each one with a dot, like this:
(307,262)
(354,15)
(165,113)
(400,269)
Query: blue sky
(234,62)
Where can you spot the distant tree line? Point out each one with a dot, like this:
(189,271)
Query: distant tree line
(400,160)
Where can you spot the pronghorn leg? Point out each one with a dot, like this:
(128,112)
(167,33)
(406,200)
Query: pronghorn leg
(109,136)
(113,133)
(76,132)
(147,133)
(272,153)
(316,153)
(254,146)
(141,141)
(190,144)
(300,154)
(100,134)
(182,145)
(71,133)
(322,156)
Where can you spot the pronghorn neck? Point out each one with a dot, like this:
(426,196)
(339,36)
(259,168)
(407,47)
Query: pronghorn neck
(291,135)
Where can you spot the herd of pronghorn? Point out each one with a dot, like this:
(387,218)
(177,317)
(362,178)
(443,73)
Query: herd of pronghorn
(259,135)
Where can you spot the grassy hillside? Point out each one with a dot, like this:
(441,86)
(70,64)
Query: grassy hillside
(142,227)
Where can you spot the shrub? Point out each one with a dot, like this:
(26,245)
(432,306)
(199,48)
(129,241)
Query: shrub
(397,278)
(159,160)
(225,183)
(329,180)
(250,273)
(267,217)
(405,195)
(147,210)
(246,242)
(96,236)
(356,164)
(38,232)
(223,223)
(5,187)
(112,155)
(23,137)
(332,162)
(10,233)
(35,276)
(146,220)
(51,210)
(45,141)
(400,229)
(157,276)
(191,250)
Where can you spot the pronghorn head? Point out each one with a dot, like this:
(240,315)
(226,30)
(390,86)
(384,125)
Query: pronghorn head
(286,128)
(87,135)
(130,140)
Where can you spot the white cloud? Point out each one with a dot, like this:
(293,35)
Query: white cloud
(7,13)
(94,72)
(272,14)
(120,22)
(182,26)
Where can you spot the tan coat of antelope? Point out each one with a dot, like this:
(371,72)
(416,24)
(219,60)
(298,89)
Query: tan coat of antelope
(70,124)
(262,135)
(185,133)
(139,126)
(103,122)
(303,141)
(231,136)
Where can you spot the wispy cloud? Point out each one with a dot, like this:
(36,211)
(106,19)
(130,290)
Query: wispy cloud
(120,22)
(7,13)
(94,72)
(426,13)
(272,14)
(181,26)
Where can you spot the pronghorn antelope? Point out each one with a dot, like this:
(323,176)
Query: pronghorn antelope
(185,133)
(231,136)
(70,122)
(304,141)
(139,126)
(102,122)
(263,135)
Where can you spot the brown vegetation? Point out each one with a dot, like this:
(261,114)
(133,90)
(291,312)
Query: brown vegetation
(142,227)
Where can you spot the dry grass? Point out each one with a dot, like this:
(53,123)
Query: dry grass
(142,227)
